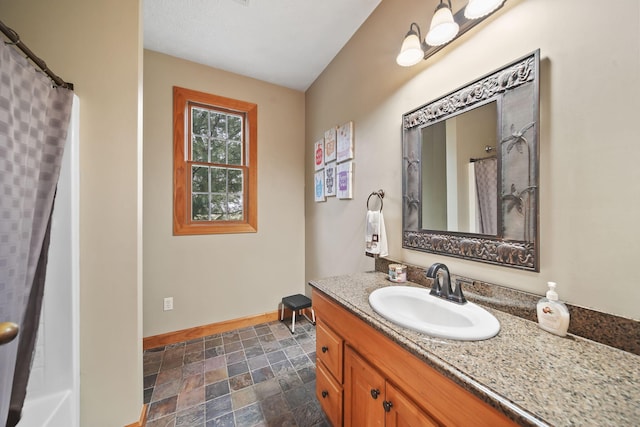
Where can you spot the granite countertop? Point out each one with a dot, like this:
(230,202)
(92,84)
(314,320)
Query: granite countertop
(534,377)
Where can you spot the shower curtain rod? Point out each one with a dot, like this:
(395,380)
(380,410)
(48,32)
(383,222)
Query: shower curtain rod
(15,41)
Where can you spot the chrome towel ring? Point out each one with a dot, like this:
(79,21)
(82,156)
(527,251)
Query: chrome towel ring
(380,194)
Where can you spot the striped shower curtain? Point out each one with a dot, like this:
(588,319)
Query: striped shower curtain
(34,117)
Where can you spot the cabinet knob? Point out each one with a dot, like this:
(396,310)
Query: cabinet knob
(387,406)
(325,393)
(8,332)
(375,393)
(325,348)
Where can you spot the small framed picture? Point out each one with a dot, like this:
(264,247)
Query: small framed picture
(345,180)
(330,179)
(330,145)
(345,142)
(318,154)
(318,186)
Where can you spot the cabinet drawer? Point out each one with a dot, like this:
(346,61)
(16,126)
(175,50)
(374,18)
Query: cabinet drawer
(329,394)
(329,348)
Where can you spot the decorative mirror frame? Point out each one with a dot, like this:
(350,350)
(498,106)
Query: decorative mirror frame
(517,79)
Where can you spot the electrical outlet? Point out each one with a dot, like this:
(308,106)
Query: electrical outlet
(168,303)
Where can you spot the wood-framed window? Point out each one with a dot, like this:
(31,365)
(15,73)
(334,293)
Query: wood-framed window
(215,176)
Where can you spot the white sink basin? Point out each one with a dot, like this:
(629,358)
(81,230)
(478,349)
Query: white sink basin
(415,309)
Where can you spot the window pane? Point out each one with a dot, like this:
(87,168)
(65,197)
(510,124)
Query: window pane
(235,153)
(199,149)
(218,151)
(235,206)
(235,128)
(199,179)
(219,125)
(199,120)
(218,180)
(200,207)
(219,207)
(235,181)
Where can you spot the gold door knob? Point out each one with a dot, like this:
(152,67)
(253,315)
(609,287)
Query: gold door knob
(8,331)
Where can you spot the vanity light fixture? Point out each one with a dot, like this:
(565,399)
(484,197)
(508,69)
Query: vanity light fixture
(445,27)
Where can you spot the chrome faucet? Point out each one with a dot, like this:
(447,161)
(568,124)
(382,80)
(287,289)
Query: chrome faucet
(443,289)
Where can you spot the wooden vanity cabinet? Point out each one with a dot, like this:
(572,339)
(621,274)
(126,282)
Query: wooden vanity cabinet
(366,379)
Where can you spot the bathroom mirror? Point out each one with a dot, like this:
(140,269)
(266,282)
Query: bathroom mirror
(470,170)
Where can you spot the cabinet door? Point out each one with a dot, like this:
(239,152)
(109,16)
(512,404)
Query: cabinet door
(363,392)
(403,412)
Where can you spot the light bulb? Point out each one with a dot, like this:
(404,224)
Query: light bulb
(443,28)
(411,52)
(479,8)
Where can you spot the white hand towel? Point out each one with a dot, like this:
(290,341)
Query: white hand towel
(375,234)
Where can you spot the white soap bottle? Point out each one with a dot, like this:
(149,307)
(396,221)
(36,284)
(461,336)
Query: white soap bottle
(553,315)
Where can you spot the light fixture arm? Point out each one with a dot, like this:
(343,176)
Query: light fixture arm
(441,5)
(413,24)
(423,44)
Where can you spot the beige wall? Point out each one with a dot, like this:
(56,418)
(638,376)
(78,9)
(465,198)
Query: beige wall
(97,46)
(590,98)
(220,277)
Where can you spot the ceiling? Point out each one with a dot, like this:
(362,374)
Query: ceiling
(285,42)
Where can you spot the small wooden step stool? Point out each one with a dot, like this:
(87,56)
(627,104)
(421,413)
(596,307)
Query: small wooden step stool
(296,303)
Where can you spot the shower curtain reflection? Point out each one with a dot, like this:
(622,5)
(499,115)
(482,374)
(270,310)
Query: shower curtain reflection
(486,191)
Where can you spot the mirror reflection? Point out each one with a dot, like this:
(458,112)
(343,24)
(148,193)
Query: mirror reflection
(460,172)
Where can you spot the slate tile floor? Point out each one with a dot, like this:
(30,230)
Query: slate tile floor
(256,376)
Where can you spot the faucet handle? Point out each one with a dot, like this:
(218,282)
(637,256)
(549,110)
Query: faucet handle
(456,295)
(445,290)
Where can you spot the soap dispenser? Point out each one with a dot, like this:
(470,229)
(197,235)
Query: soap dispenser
(553,315)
